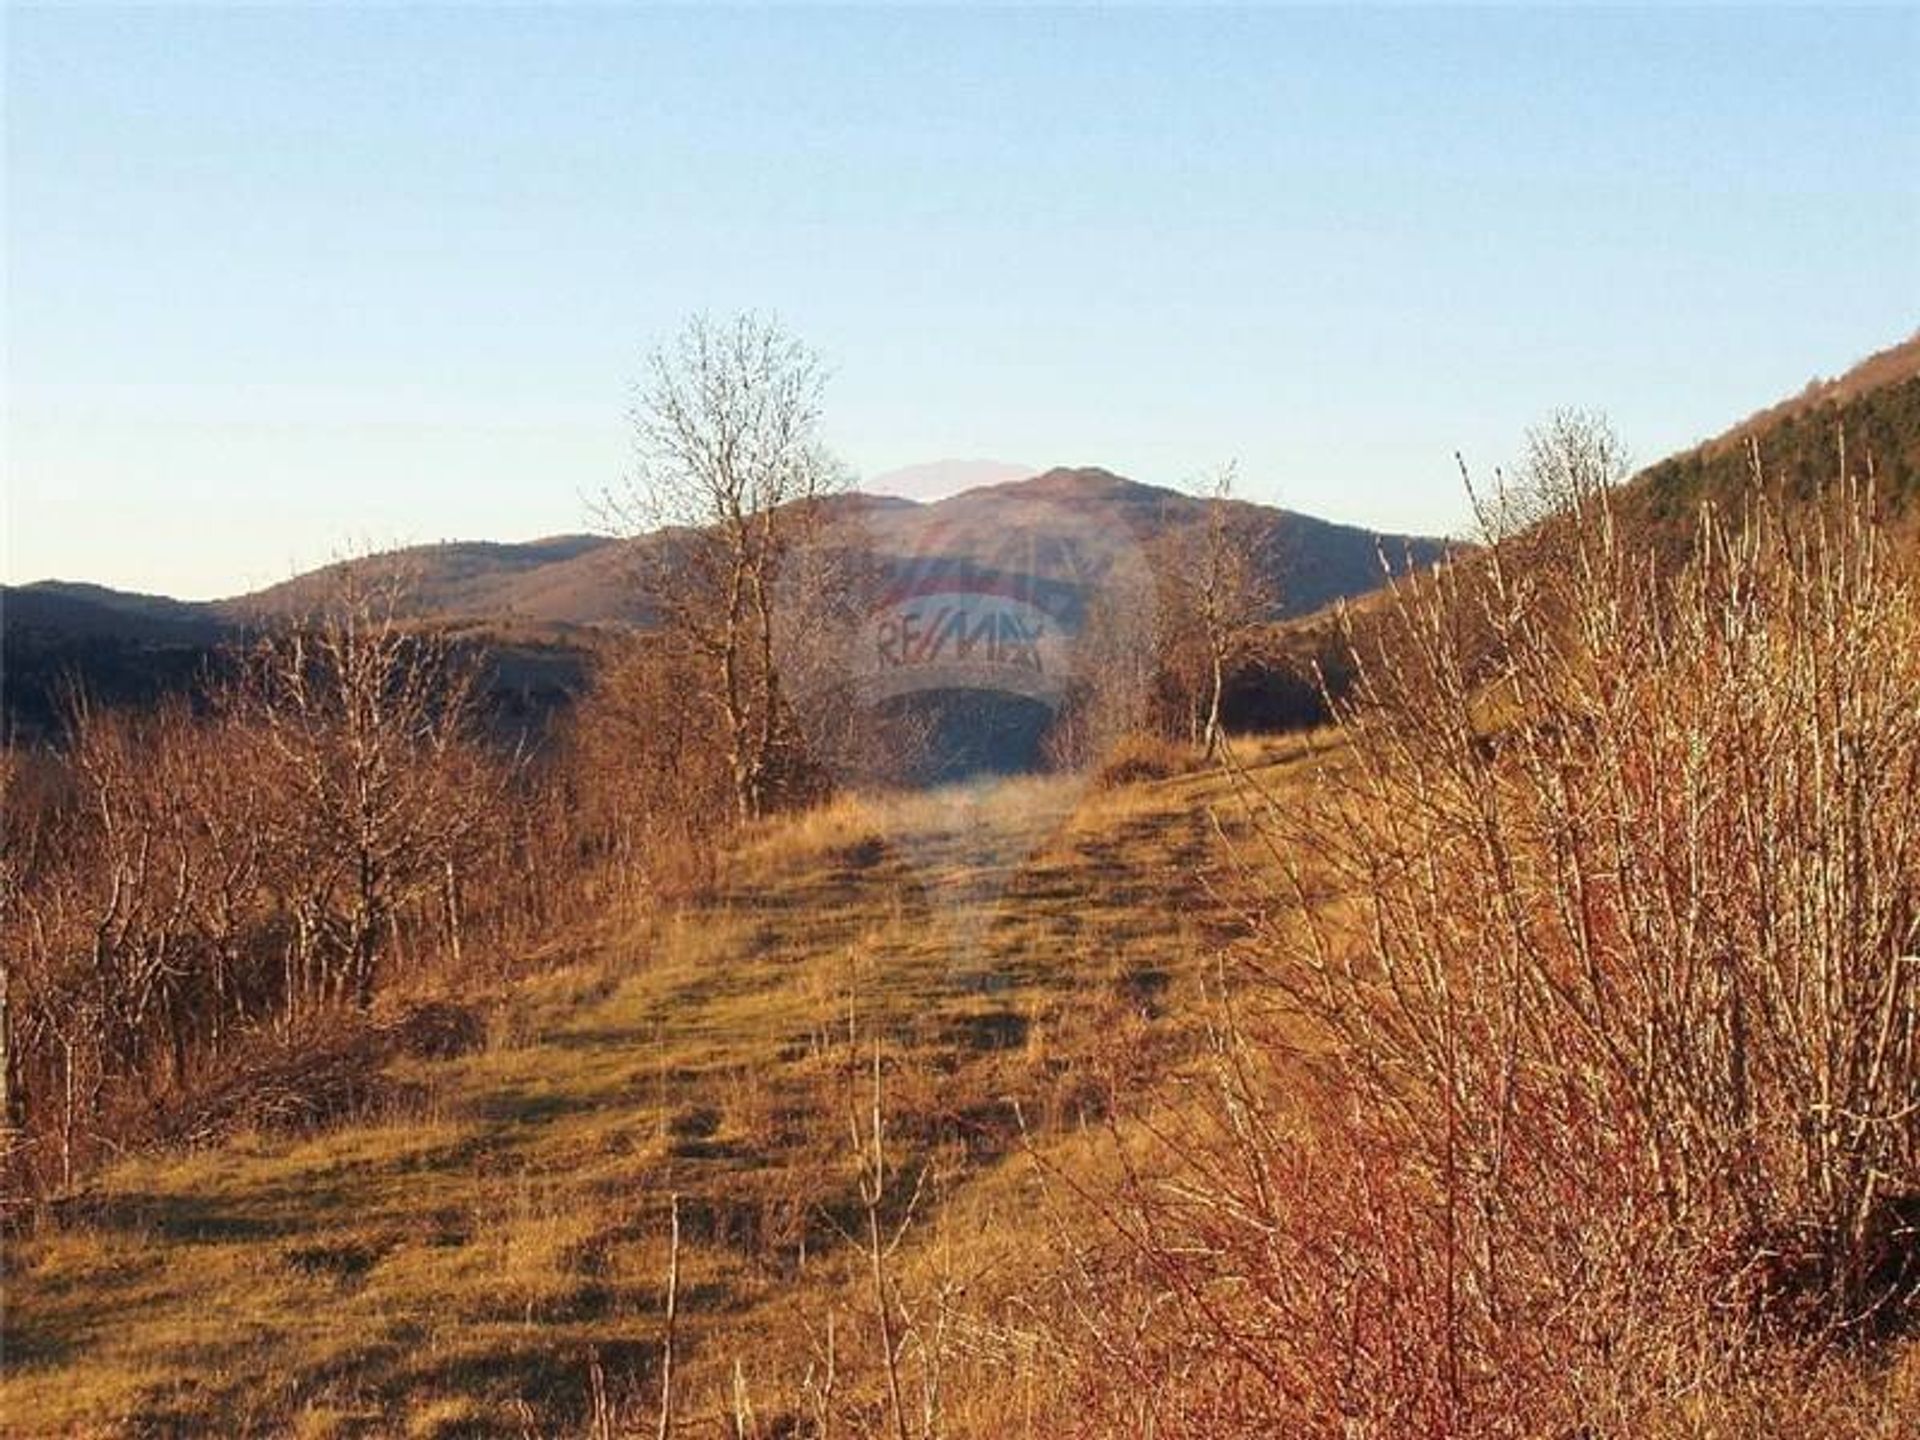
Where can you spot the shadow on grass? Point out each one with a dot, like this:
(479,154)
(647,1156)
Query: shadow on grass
(517,1107)
(189,1218)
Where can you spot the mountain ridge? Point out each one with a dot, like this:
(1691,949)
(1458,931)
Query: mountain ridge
(578,581)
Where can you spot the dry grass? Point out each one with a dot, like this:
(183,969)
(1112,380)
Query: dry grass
(451,1267)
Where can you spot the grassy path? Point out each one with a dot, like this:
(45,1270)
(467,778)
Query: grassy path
(451,1267)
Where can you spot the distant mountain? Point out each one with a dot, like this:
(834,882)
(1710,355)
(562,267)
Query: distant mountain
(562,580)
(73,608)
(122,648)
(1311,562)
(938,478)
(536,607)
(585,581)
(541,599)
(128,649)
(538,604)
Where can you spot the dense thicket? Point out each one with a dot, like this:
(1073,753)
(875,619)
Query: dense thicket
(179,881)
(1573,1073)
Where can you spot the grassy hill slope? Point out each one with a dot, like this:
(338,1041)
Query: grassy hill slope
(457,1260)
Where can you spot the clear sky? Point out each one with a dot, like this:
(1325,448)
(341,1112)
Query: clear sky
(281,282)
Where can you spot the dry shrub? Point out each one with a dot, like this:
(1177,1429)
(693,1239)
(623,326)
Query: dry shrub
(1137,758)
(329,1071)
(321,824)
(1254,1276)
(1592,977)
(271,1087)
(436,1030)
(651,795)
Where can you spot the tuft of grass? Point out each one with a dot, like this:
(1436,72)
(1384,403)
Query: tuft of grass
(1138,759)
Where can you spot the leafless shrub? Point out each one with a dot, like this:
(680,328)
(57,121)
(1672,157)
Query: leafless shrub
(651,785)
(1574,1067)
(177,881)
(1136,758)
(436,1030)
(1647,887)
(271,1088)
(367,725)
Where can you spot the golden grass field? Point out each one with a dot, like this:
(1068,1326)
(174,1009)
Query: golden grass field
(488,1253)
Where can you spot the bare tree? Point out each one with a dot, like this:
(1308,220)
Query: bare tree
(728,457)
(1115,671)
(170,876)
(1216,591)
(368,721)
(103,963)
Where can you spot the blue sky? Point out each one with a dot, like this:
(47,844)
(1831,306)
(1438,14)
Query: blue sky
(283,282)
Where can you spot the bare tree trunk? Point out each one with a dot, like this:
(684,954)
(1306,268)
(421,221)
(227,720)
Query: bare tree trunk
(366,932)
(290,967)
(1211,742)
(665,1428)
(11,1108)
(173,1012)
(769,672)
(450,900)
(732,697)
(67,1116)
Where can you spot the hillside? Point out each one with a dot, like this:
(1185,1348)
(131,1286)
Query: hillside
(1874,406)
(134,650)
(80,609)
(1876,403)
(467,1234)
(564,580)
(125,649)
(1890,366)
